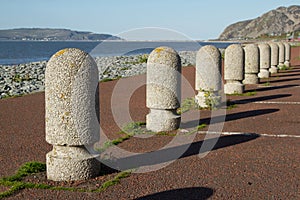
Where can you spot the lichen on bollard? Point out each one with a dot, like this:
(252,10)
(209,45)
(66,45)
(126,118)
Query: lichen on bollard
(251,64)
(265,60)
(163,90)
(72,115)
(208,79)
(234,69)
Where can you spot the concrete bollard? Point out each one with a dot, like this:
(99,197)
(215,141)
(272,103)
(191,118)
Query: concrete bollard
(281,58)
(163,91)
(265,60)
(287,54)
(72,113)
(208,76)
(234,69)
(251,64)
(274,57)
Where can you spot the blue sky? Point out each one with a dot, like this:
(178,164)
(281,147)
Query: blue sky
(196,19)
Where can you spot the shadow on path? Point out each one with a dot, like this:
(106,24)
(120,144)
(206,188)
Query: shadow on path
(263,98)
(283,80)
(163,156)
(286,75)
(201,193)
(228,117)
(267,88)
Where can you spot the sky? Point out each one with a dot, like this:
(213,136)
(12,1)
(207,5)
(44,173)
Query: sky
(136,19)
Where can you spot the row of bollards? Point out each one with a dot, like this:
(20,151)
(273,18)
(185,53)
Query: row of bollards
(72,98)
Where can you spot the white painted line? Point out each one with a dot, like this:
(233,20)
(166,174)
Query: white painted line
(250,134)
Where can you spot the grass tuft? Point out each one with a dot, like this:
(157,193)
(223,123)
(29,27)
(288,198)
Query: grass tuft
(114,181)
(27,169)
(251,93)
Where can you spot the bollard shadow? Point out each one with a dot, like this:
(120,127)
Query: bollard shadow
(286,75)
(268,88)
(284,80)
(201,193)
(288,71)
(228,117)
(263,98)
(163,156)
(224,141)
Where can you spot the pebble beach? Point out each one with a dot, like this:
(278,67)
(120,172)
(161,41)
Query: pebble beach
(17,80)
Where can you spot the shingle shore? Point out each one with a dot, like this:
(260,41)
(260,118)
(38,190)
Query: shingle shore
(27,78)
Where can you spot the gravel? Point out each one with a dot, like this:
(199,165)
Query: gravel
(16,80)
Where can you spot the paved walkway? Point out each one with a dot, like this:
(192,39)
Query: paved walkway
(256,156)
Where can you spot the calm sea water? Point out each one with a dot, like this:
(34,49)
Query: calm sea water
(17,52)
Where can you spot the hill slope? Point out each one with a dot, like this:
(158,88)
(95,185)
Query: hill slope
(51,34)
(278,21)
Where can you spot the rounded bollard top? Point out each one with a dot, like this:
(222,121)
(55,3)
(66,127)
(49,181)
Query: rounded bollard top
(233,46)
(263,46)
(165,56)
(273,45)
(209,50)
(69,58)
(280,44)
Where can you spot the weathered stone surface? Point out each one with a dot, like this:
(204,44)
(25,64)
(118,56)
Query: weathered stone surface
(71,163)
(281,58)
(163,89)
(251,64)
(208,75)
(265,60)
(72,109)
(234,69)
(274,57)
(71,81)
(287,54)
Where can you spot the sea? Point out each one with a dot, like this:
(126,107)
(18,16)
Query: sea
(19,52)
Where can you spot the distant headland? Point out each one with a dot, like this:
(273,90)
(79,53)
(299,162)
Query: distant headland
(280,23)
(47,34)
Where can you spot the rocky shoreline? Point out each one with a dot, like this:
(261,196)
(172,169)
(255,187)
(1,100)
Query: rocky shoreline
(17,80)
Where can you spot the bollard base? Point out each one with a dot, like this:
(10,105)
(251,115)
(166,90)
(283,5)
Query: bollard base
(250,79)
(264,73)
(162,120)
(287,63)
(273,70)
(66,163)
(280,65)
(207,99)
(234,87)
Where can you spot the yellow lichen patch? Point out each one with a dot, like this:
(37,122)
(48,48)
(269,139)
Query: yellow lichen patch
(159,49)
(62,96)
(60,52)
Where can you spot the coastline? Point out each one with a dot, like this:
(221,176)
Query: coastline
(27,78)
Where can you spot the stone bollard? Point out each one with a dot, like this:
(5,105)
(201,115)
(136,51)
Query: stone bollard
(208,76)
(72,113)
(251,64)
(163,91)
(274,57)
(234,69)
(265,60)
(287,54)
(281,58)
